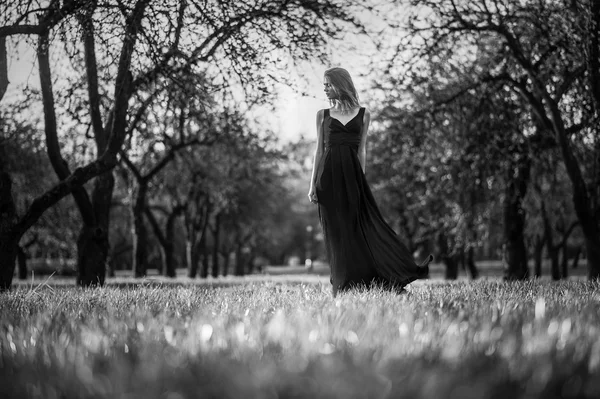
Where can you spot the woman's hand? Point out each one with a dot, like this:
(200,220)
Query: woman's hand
(312,195)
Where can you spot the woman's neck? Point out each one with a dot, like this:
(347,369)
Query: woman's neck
(340,108)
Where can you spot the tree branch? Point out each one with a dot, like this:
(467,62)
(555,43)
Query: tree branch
(86,21)
(3,68)
(52,16)
(131,166)
(155,227)
(53,147)
(78,178)
(124,80)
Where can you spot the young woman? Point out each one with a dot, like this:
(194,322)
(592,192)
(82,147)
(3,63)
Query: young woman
(361,247)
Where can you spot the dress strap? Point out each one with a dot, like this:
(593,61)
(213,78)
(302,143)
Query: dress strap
(325,115)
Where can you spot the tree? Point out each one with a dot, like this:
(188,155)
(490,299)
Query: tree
(23,159)
(554,214)
(167,130)
(537,56)
(109,139)
(242,42)
(445,156)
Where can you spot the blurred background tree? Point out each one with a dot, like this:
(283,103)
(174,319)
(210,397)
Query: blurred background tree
(513,83)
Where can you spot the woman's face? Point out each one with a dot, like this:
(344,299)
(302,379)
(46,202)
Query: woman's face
(329,89)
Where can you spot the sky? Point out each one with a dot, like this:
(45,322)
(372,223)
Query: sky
(294,114)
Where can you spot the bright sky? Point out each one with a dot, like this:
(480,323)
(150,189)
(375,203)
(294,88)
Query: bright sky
(297,113)
(294,113)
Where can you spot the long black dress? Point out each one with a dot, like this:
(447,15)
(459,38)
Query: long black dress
(362,248)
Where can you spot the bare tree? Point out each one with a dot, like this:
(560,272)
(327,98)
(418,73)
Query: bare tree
(93,240)
(534,48)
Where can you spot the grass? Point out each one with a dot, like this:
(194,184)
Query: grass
(484,339)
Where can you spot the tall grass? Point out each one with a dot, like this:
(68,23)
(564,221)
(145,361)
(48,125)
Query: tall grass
(273,340)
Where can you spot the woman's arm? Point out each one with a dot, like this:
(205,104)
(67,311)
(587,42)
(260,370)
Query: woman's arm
(362,149)
(318,151)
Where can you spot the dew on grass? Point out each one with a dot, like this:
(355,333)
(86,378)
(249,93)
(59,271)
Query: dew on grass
(594,359)
(553,327)
(240,331)
(276,327)
(449,343)
(403,329)
(205,331)
(352,338)
(540,308)
(169,333)
(327,349)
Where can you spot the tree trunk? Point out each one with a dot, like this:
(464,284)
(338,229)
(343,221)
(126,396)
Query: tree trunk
(204,271)
(8,255)
(553,254)
(565,260)
(93,242)
(215,254)
(9,237)
(451,267)
(194,256)
(514,220)
(22,261)
(170,266)
(111,266)
(471,267)
(191,256)
(593,257)
(575,262)
(92,252)
(8,212)
(447,258)
(461,258)
(196,223)
(249,264)
(140,235)
(239,262)
(226,263)
(191,247)
(551,247)
(538,248)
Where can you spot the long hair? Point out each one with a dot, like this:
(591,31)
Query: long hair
(344,88)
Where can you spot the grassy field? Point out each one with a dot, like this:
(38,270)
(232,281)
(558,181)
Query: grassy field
(271,339)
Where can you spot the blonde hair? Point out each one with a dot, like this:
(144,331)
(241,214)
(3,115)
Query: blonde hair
(344,88)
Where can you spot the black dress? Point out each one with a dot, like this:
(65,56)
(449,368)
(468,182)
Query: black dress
(362,248)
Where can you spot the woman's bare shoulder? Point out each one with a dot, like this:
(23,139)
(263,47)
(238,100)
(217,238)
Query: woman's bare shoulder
(321,114)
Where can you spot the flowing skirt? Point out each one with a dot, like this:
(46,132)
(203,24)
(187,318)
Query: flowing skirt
(361,247)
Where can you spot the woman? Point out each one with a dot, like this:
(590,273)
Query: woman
(361,247)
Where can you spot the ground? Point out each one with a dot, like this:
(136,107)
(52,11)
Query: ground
(289,338)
